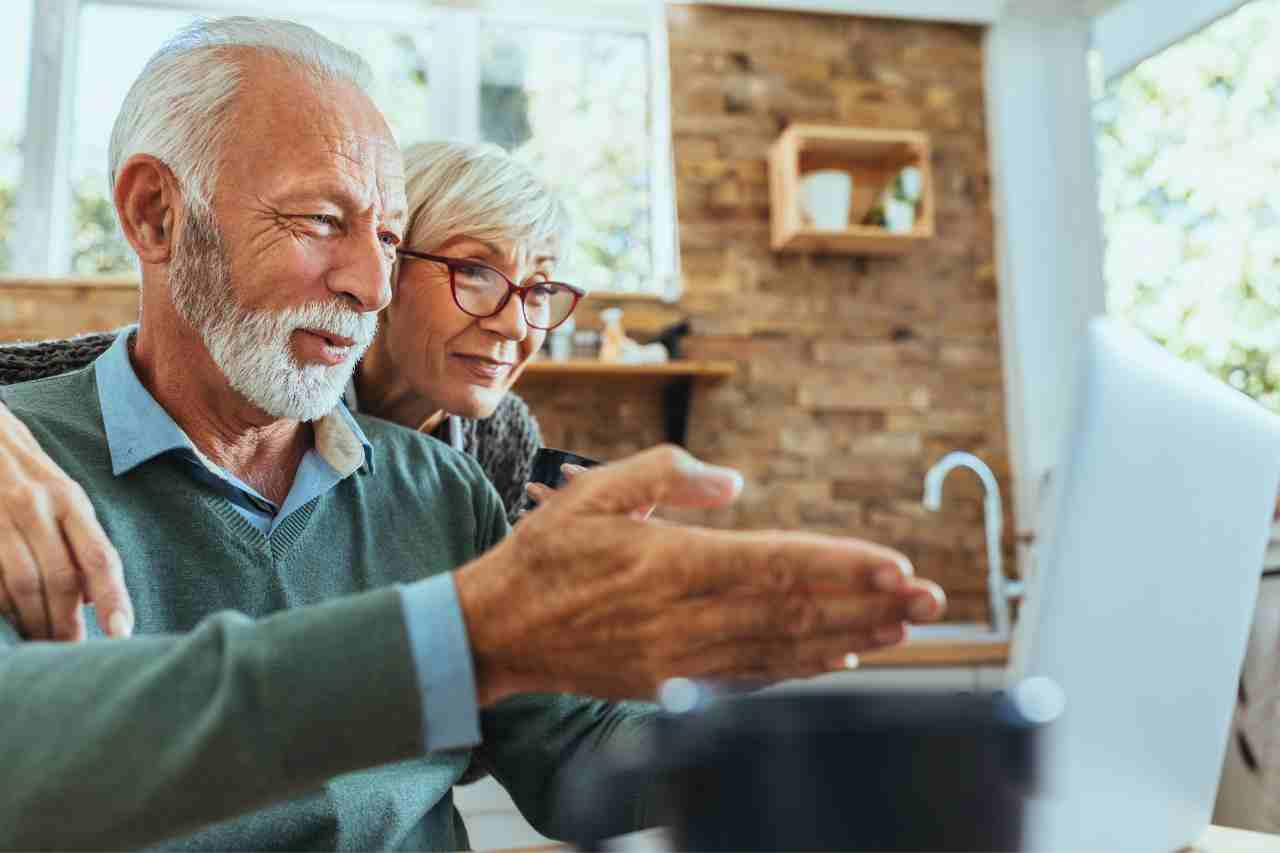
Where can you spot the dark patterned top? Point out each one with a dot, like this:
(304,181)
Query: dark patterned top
(503,443)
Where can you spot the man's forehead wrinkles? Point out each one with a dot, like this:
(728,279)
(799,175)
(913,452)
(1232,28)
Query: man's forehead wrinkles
(391,191)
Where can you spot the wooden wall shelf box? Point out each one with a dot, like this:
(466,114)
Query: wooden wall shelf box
(873,157)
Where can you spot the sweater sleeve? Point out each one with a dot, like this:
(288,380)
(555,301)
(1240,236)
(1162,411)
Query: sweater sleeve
(534,742)
(113,744)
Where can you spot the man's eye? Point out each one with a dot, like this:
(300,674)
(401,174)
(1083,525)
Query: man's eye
(325,219)
(389,239)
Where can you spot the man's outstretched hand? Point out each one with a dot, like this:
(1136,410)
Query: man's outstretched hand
(584,598)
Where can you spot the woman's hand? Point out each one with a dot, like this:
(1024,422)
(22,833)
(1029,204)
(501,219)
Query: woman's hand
(53,553)
(539,492)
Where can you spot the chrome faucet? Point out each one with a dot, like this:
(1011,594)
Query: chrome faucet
(999,590)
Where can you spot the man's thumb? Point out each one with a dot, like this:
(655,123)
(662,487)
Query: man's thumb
(665,475)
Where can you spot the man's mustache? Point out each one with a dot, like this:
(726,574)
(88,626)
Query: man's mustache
(334,317)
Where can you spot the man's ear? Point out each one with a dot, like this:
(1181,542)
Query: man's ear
(147,199)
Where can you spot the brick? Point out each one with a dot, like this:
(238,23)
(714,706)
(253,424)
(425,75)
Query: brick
(865,354)
(970,354)
(870,394)
(883,445)
(693,148)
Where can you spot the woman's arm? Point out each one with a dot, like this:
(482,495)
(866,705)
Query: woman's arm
(54,555)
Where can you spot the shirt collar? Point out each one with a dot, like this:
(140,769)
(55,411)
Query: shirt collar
(139,429)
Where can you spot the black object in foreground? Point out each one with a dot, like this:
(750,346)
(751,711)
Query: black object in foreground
(831,770)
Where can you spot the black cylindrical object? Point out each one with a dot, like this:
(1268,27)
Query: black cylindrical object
(838,770)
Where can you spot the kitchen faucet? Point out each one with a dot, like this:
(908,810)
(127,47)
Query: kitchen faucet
(999,590)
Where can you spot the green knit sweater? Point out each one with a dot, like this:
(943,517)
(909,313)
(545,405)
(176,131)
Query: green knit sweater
(281,721)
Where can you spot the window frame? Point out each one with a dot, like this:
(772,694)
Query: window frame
(42,237)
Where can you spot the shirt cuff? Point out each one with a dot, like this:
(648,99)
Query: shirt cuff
(442,657)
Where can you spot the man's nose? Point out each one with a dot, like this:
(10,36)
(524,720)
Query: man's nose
(362,272)
(509,322)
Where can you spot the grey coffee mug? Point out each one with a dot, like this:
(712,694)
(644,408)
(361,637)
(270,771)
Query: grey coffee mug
(547,462)
(546,470)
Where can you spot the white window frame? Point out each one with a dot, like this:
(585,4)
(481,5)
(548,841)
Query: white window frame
(42,237)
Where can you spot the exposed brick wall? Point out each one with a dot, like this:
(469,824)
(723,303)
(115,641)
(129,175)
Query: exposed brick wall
(854,374)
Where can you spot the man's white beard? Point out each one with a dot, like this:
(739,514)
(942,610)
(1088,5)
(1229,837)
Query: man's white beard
(251,348)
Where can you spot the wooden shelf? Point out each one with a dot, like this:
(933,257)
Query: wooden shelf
(873,158)
(857,240)
(608,370)
(676,379)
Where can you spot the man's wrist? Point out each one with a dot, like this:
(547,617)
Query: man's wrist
(442,660)
(479,600)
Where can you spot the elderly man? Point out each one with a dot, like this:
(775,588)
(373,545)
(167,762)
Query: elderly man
(339,704)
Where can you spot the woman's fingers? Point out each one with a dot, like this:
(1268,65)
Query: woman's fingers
(103,575)
(60,582)
(54,555)
(23,584)
(7,611)
(537,492)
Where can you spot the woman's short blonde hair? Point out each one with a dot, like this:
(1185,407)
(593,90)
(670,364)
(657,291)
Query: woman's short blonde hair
(483,192)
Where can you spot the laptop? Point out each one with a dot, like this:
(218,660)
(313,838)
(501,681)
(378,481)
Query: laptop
(1143,592)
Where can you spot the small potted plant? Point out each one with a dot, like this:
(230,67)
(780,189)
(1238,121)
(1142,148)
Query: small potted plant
(897,207)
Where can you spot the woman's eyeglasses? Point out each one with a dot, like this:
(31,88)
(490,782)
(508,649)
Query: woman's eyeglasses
(482,291)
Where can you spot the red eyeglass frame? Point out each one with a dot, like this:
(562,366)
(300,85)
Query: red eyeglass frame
(512,287)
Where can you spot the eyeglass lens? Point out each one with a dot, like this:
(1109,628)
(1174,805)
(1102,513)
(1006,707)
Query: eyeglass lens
(480,290)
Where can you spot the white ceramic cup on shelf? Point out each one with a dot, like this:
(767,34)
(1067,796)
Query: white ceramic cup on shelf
(826,196)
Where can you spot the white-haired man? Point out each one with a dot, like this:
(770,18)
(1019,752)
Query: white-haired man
(261,190)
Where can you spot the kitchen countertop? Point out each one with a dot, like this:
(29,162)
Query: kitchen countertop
(958,644)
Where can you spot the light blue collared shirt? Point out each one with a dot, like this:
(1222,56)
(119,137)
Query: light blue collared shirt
(139,429)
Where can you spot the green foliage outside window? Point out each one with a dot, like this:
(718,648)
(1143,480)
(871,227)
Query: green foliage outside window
(1189,148)
(574,106)
(97,246)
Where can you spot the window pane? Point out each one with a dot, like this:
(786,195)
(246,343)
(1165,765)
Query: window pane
(1189,146)
(116,42)
(399,62)
(15,38)
(575,106)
